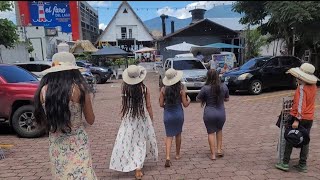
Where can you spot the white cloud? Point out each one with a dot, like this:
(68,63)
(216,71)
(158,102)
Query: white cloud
(184,13)
(11,15)
(102,26)
(100,3)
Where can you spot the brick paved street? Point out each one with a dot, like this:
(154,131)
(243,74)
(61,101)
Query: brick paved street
(250,141)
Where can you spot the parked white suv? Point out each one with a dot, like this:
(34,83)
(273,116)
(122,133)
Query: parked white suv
(36,67)
(194,72)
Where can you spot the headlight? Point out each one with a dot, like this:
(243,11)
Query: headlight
(244,76)
(103,70)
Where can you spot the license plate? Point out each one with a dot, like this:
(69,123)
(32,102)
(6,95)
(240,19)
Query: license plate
(197,84)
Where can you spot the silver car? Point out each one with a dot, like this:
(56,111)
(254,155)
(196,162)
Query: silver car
(194,72)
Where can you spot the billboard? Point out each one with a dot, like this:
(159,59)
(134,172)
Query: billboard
(51,14)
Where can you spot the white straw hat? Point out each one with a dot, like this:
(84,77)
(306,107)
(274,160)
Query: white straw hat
(62,61)
(304,73)
(172,76)
(134,74)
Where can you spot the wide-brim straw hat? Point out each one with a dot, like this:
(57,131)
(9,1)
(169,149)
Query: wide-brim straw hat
(134,74)
(304,73)
(172,76)
(62,61)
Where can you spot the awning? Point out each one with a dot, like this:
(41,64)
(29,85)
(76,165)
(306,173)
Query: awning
(222,45)
(181,47)
(145,49)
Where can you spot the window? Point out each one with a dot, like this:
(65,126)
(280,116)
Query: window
(14,74)
(286,61)
(273,62)
(130,33)
(123,32)
(187,65)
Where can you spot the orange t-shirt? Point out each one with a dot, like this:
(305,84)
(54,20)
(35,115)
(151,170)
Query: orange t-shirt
(304,102)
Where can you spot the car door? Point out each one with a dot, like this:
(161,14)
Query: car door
(270,73)
(286,63)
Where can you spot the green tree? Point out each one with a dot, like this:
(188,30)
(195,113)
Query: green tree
(8,35)
(254,41)
(286,19)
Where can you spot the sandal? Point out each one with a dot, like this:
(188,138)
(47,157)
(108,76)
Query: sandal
(168,163)
(139,177)
(220,154)
(211,157)
(178,157)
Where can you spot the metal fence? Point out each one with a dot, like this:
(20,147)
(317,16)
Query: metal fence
(285,112)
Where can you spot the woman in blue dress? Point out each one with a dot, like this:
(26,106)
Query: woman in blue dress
(171,98)
(213,95)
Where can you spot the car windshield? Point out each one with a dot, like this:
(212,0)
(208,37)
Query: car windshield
(14,74)
(187,65)
(254,63)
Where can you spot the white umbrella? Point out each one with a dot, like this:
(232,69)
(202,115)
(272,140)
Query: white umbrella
(181,47)
(146,49)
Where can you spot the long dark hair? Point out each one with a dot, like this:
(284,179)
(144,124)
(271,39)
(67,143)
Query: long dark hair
(172,93)
(213,80)
(55,116)
(132,100)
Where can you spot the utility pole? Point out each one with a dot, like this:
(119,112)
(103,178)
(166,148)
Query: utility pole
(293,41)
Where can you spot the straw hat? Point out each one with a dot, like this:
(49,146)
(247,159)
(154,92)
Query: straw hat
(172,77)
(134,74)
(304,73)
(62,61)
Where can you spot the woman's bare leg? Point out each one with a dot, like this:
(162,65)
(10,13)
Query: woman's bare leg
(211,140)
(219,141)
(178,146)
(168,147)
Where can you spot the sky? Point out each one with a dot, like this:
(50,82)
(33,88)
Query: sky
(144,9)
(150,9)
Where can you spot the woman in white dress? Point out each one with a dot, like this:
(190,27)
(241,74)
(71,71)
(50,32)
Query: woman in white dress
(136,139)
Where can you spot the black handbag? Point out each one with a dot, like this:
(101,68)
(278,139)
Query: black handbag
(289,120)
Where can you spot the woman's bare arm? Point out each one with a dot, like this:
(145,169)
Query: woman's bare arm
(161,98)
(185,99)
(148,103)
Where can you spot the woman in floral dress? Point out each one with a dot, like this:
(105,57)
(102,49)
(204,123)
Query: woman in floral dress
(60,100)
(136,140)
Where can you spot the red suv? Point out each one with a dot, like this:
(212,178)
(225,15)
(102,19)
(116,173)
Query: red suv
(17,89)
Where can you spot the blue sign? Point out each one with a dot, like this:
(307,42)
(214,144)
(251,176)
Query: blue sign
(51,14)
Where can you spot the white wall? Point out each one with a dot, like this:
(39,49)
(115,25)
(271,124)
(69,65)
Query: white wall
(44,46)
(128,20)
(271,49)
(19,53)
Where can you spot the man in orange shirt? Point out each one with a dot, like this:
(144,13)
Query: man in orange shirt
(302,112)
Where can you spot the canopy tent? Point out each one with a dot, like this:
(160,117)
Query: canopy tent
(145,49)
(222,45)
(110,51)
(181,47)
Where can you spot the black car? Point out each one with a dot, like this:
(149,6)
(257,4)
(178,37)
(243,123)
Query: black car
(102,74)
(262,72)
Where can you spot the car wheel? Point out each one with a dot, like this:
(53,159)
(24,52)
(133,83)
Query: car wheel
(98,78)
(255,87)
(24,124)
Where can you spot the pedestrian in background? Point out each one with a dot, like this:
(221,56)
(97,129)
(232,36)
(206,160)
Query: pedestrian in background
(60,100)
(213,95)
(225,68)
(136,139)
(172,97)
(302,112)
